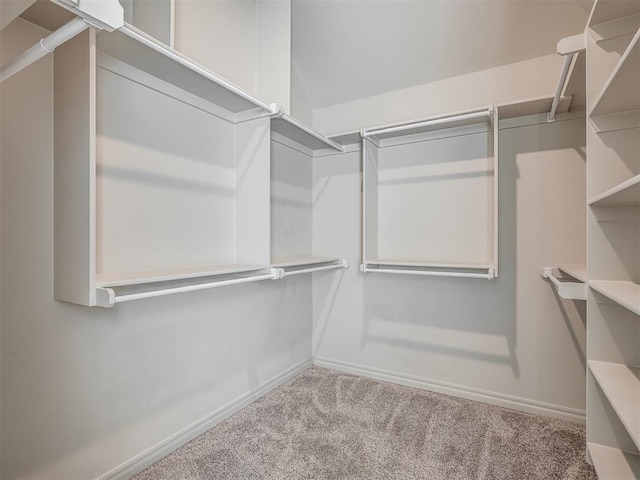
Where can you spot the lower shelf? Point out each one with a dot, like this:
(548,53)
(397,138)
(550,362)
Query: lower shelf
(612,463)
(285,267)
(621,385)
(420,267)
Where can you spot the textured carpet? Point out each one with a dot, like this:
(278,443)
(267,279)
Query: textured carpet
(329,425)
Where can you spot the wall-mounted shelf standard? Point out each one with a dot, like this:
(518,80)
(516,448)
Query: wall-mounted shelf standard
(567,289)
(621,386)
(409,171)
(614,463)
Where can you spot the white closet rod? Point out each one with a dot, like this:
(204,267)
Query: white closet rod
(342,264)
(428,123)
(488,276)
(43,47)
(150,42)
(190,288)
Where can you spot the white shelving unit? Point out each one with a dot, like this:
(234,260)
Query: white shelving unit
(161,173)
(409,171)
(613,176)
(294,146)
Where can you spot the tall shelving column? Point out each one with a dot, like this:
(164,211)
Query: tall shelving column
(613,191)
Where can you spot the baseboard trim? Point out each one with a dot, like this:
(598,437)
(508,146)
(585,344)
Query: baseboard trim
(478,395)
(163,448)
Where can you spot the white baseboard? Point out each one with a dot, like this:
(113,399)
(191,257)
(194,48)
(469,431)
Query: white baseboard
(163,448)
(478,395)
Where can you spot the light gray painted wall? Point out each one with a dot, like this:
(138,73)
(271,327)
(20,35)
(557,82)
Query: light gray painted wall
(508,337)
(85,389)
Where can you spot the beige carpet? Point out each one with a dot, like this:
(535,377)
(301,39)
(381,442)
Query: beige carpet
(329,425)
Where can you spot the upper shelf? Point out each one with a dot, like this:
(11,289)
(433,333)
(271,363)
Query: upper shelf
(463,119)
(621,92)
(138,49)
(608,10)
(626,193)
(300,133)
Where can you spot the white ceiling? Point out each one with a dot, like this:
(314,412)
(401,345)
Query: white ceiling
(349,49)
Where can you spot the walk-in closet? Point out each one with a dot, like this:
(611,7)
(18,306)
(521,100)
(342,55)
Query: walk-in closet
(319,239)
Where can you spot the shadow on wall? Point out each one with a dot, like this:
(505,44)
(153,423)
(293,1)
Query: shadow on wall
(471,319)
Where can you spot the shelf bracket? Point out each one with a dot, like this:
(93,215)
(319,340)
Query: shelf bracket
(567,290)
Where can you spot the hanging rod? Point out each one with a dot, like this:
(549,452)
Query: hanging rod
(43,47)
(285,273)
(569,48)
(428,123)
(107,297)
(489,275)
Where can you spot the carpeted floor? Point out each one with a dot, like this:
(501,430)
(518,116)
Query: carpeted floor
(329,425)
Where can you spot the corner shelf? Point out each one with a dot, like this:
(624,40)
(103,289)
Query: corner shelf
(625,193)
(298,265)
(626,294)
(614,463)
(298,132)
(621,386)
(620,92)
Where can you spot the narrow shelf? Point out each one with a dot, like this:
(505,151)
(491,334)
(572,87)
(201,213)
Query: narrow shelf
(435,269)
(620,92)
(531,106)
(424,263)
(579,272)
(144,52)
(138,278)
(616,121)
(302,261)
(626,193)
(608,10)
(285,267)
(429,125)
(626,294)
(613,463)
(300,133)
(621,385)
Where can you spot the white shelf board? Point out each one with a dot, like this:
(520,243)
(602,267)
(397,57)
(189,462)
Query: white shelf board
(425,263)
(300,133)
(138,278)
(457,120)
(626,193)
(626,294)
(301,261)
(616,121)
(621,385)
(621,92)
(613,463)
(138,49)
(579,272)
(608,10)
(532,106)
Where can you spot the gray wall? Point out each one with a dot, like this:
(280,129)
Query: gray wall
(509,341)
(86,389)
